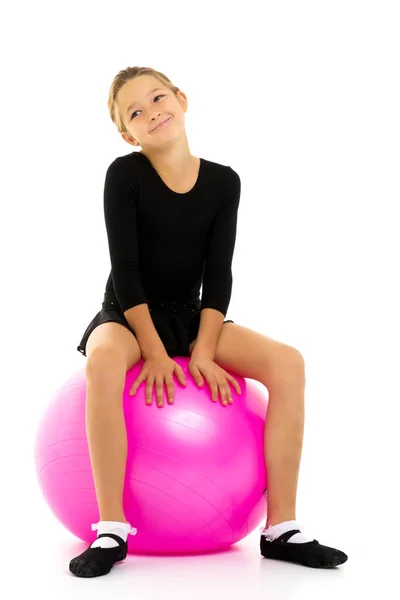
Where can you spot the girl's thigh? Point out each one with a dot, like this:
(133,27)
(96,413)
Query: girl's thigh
(115,339)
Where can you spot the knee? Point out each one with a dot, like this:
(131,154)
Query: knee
(293,363)
(293,356)
(105,363)
(297,364)
(296,357)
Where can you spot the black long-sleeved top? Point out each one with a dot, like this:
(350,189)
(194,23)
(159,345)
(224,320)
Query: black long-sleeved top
(164,245)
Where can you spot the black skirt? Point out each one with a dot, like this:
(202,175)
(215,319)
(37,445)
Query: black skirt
(177,324)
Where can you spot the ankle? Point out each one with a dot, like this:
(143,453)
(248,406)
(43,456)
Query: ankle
(271,521)
(113,517)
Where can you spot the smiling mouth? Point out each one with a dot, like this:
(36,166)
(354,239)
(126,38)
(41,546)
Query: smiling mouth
(161,124)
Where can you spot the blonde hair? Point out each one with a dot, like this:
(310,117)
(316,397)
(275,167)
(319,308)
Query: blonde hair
(126,75)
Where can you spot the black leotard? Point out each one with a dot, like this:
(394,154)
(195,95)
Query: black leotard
(164,245)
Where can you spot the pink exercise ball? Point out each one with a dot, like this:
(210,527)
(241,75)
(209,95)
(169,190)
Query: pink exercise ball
(195,472)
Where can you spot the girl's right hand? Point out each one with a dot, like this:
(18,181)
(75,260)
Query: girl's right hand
(159,368)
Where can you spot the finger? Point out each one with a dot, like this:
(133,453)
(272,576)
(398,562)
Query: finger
(197,376)
(183,376)
(228,393)
(180,374)
(234,383)
(160,392)
(136,384)
(223,393)
(170,390)
(149,390)
(214,390)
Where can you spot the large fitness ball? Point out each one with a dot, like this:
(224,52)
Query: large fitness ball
(195,472)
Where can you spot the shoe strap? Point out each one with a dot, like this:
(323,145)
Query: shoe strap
(132,530)
(287,535)
(284,537)
(114,536)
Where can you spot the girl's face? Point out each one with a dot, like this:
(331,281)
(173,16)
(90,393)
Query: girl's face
(144,103)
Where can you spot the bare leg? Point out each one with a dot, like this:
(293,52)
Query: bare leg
(283,442)
(107,437)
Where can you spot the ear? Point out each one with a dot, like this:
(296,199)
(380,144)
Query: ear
(129,139)
(182,100)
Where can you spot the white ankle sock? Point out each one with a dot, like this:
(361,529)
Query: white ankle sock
(116,527)
(275,531)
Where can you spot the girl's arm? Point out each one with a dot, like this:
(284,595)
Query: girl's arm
(217,276)
(120,198)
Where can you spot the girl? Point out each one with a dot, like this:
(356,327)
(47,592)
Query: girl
(171,226)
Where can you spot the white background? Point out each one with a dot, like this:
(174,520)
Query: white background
(302,100)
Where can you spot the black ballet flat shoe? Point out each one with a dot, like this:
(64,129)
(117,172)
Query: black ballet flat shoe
(99,561)
(309,554)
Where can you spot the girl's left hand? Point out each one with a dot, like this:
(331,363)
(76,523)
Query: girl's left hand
(217,378)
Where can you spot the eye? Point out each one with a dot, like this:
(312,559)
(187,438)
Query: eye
(158,96)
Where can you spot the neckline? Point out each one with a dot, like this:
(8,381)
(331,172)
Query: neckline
(166,186)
